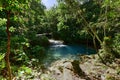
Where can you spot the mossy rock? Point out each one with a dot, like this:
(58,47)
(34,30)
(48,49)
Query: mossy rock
(110,77)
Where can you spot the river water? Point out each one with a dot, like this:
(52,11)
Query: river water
(59,50)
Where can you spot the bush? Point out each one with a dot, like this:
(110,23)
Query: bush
(106,56)
(106,51)
(41,41)
(116,45)
(38,51)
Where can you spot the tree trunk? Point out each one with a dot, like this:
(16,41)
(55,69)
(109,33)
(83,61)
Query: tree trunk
(8,47)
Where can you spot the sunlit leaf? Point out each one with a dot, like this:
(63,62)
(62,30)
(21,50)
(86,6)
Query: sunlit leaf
(2,56)
(2,21)
(12,29)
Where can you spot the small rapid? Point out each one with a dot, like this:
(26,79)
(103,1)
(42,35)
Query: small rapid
(60,50)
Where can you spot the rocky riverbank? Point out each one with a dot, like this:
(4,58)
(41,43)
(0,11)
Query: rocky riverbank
(87,69)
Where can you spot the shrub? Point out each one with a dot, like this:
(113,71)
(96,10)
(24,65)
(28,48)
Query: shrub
(41,41)
(116,45)
(106,51)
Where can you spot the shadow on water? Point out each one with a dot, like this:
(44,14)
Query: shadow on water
(57,50)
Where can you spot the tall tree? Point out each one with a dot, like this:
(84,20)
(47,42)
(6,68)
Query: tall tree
(11,7)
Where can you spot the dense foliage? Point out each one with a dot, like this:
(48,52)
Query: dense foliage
(89,22)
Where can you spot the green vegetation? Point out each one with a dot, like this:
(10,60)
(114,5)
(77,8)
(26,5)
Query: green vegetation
(91,22)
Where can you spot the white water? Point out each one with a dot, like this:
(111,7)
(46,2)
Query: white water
(60,50)
(56,43)
(52,41)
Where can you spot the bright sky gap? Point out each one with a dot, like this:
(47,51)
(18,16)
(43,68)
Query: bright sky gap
(49,3)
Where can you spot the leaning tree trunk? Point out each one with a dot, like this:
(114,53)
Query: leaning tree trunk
(8,47)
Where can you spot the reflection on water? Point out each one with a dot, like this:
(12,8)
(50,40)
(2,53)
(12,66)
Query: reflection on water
(58,50)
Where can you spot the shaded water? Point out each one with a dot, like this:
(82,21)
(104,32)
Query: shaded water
(59,50)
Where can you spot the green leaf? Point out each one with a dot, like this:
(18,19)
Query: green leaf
(26,69)
(1,8)
(27,44)
(2,64)
(2,56)
(12,29)
(15,18)
(2,21)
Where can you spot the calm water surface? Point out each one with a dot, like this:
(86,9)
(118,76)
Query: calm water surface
(59,50)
